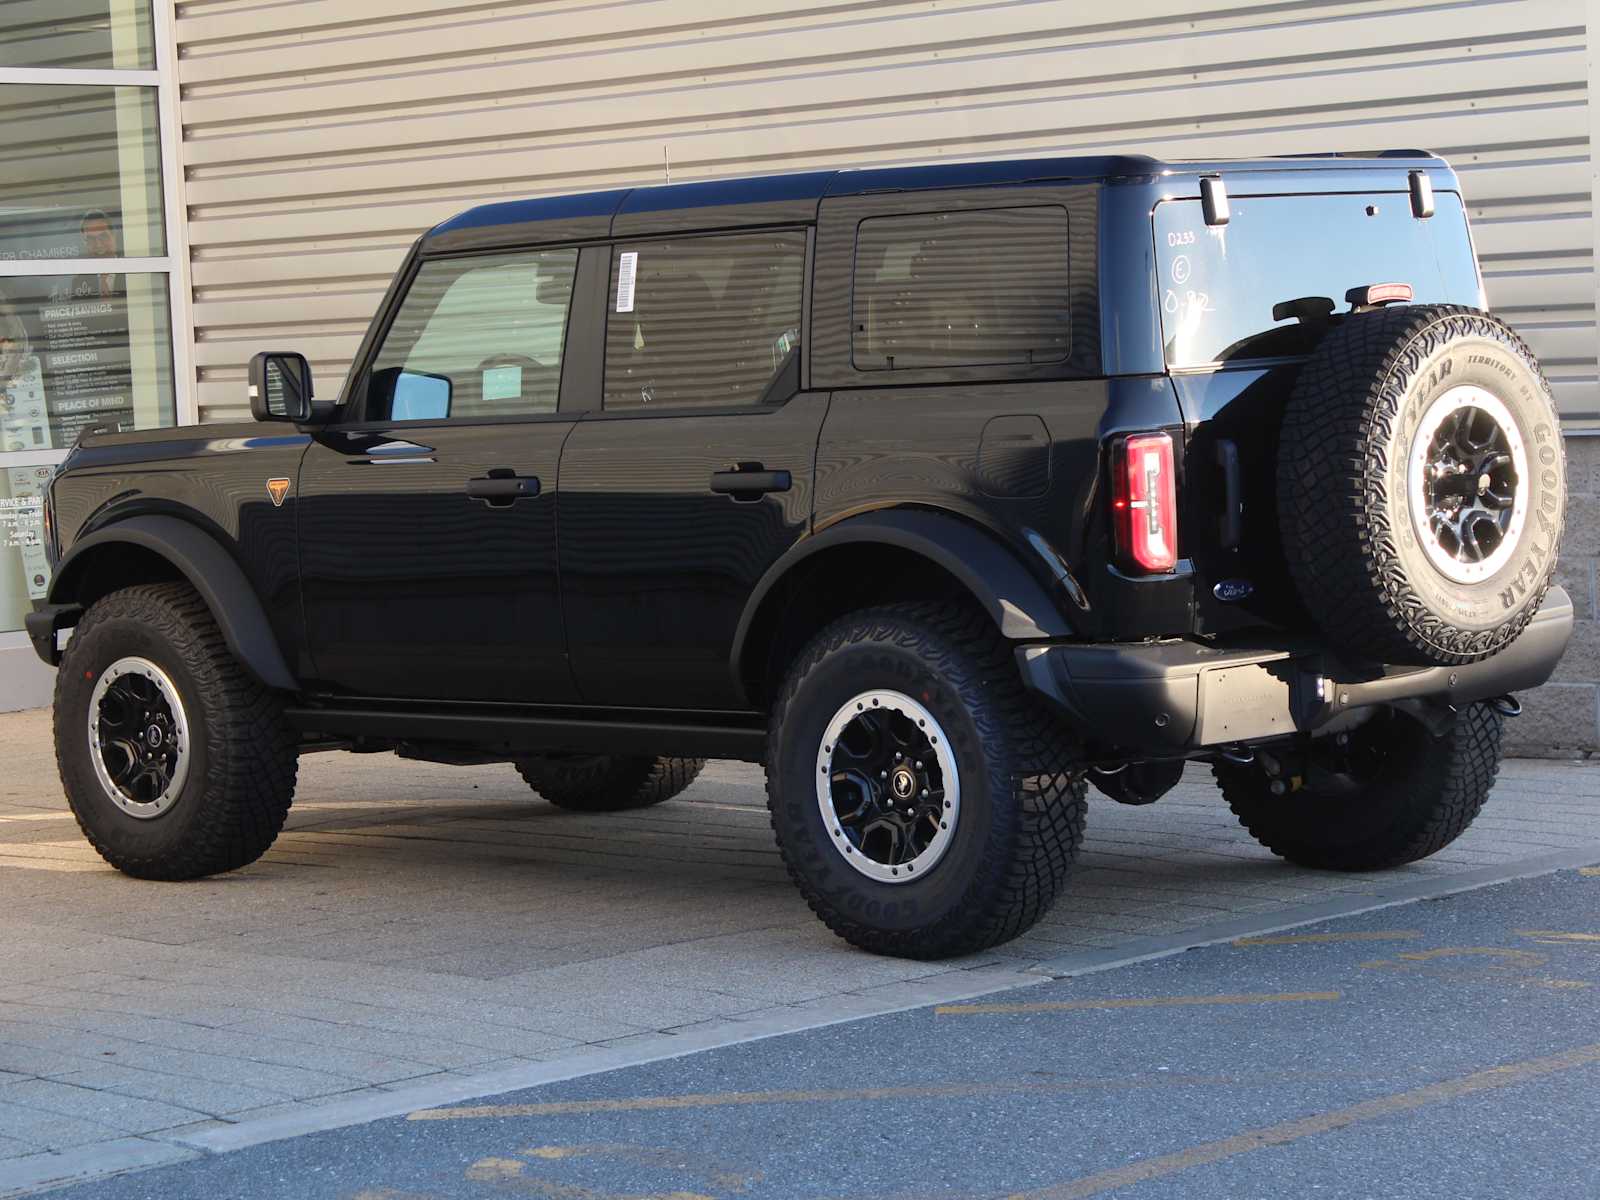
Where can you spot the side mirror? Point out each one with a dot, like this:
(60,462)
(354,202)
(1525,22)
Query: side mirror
(420,397)
(280,386)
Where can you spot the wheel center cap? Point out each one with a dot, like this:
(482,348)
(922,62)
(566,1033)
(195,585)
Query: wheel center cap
(903,783)
(153,735)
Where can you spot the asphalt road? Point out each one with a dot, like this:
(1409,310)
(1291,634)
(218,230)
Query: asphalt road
(1443,1049)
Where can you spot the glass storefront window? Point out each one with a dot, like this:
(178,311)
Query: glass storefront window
(82,174)
(77,351)
(85,272)
(24,573)
(79,34)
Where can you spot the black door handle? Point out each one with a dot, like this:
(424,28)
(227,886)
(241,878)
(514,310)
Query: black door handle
(502,488)
(750,483)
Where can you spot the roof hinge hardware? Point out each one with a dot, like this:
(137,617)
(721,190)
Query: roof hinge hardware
(1214,200)
(1421,194)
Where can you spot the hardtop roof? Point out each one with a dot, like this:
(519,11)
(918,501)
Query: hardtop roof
(811,187)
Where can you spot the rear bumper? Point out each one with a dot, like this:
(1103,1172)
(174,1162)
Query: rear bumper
(1172,697)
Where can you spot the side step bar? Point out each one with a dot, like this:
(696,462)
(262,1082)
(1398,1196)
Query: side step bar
(716,735)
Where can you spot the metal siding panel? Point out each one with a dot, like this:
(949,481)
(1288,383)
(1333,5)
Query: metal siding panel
(322,136)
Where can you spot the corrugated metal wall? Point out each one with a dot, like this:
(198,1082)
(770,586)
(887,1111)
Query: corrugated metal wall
(321,136)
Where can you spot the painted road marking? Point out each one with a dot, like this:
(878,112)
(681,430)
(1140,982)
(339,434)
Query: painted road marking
(1514,958)
(1589,870)
(1292,1131)
(1555,936)
(661,1158)
(486,1170)
(963,1010)
(567,1108)
(1290,939)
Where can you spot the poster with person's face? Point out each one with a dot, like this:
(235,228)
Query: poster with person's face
(64,360)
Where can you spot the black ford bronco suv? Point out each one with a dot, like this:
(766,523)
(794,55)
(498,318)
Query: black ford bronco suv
(944,492)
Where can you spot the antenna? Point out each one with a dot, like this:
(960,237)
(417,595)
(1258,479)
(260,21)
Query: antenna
(666,159)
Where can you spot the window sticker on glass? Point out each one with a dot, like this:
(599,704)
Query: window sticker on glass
(502,383)
(627,269)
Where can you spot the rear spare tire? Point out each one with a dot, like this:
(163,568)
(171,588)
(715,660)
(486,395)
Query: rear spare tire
(1421,485)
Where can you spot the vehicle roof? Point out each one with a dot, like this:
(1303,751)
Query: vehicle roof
(796,196)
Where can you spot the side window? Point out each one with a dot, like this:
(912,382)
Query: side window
(476,337)
(977,288)
(705,320)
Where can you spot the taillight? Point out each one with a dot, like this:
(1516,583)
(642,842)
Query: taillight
(1144,502)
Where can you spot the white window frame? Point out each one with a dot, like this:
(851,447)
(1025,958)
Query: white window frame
(175,262)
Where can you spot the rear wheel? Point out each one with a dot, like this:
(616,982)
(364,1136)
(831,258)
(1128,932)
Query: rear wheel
(921,802)
(1389,794)
(177,764)
(607,782)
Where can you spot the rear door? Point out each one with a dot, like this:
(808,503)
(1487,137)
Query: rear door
(428,519)
(694,475)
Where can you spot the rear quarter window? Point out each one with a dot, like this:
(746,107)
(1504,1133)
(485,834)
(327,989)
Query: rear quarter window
(975,288)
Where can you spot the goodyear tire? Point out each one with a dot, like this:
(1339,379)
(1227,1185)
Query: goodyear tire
(920,801)
(1389,794)
(1421,485)
(176,762)
(607,782)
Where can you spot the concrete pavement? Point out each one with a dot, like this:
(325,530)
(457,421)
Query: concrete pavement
(422,926)
(1444,1051)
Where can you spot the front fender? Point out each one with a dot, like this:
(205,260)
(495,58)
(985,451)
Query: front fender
(209,568)
(1015,600)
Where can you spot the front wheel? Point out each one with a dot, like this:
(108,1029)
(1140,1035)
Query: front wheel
(922,804)
(1389,794)
(177,764)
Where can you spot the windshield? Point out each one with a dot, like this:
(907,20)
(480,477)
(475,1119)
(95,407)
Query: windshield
(1219,283)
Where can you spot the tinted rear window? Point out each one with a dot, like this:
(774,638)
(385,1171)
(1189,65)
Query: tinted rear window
(974,288)
(1219,283)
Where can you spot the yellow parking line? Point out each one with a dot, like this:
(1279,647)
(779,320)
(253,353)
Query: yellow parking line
(963,1010)
(1295,939)
(1589,870)
(1556,935)
(1292,1131)
(951,1091)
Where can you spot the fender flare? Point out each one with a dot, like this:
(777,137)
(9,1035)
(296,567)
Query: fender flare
(210,570)
(1015,600)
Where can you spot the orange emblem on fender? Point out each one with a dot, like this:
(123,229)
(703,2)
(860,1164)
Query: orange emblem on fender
(277,489)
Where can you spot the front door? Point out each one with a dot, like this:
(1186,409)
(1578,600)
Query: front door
(695,475)
(428,520)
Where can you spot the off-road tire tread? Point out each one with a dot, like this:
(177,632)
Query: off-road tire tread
(1338,432)
(1464,762)
(252,752)
(611,783)
(1016,881)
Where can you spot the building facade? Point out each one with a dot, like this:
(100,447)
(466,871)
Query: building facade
(266,166)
